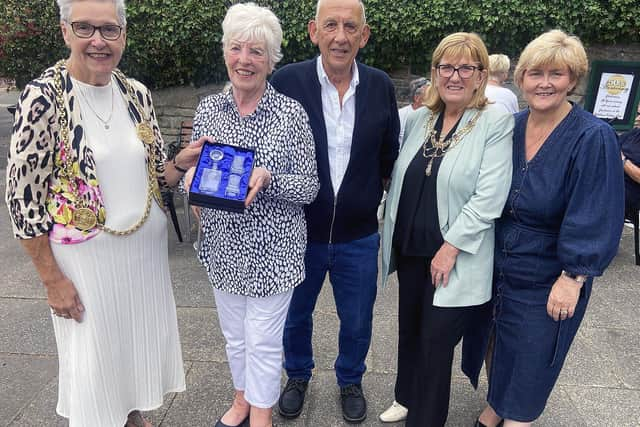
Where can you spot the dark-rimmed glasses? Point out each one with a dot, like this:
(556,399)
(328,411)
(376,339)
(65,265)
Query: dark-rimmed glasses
(464,71)
(84,30)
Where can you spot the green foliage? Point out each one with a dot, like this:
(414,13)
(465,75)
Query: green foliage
(176,42)
(29,38)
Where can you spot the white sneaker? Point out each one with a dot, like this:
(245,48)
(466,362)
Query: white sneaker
(396,412)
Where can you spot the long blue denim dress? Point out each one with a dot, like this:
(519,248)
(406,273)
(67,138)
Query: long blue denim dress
(564,212)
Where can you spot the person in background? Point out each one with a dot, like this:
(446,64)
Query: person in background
(85,168)
(499,66)
(255,259)
(630,148)
(354,117)
(560,228)
(417,89)
(448,186)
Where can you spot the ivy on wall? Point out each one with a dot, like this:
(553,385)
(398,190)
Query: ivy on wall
(177,42)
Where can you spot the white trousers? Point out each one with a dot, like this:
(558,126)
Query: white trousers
(253,330)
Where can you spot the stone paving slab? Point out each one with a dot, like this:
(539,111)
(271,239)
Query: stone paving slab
(600,384)
(41,410)
(620,352)
(21,379)
(26,328)
(599,406)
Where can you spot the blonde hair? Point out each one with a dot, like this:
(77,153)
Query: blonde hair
(459,45)
(499,65)
(557,48)
(248,22)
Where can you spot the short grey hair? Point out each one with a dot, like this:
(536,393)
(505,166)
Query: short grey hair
(65,10)
(248,22)
(364,14)
(417,86)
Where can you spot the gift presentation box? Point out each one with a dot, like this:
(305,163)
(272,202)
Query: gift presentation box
(221,180)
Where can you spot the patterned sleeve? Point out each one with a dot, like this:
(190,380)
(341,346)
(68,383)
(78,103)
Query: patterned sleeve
(30,161)
(300,183)
(160,155)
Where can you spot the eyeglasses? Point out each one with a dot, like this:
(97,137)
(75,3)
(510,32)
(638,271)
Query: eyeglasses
(464,71)
(84,30)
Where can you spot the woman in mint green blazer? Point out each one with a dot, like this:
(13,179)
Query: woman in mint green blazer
(449,184)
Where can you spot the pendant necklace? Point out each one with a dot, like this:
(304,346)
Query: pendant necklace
(105,122)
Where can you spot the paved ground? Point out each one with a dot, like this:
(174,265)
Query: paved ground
(599,386)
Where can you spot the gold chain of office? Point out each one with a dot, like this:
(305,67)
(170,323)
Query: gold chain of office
(84,218)
(438,146)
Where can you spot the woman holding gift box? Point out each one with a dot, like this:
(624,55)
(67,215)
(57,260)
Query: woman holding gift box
(254,259)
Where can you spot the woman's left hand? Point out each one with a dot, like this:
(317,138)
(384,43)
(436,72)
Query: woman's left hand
(563,298)
(442,264)
(260,178)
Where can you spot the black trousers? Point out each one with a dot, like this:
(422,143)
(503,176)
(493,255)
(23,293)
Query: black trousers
(428,336)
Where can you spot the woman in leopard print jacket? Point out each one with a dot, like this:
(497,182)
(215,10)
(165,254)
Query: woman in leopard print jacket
(83,178)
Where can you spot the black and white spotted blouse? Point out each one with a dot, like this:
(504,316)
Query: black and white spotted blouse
(260,252)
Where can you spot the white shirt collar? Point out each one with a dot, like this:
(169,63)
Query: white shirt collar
(324,78)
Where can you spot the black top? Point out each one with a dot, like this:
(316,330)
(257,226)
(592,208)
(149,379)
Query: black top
(417,231)
(630,145)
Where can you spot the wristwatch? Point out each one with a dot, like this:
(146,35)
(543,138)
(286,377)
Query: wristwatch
(580,278)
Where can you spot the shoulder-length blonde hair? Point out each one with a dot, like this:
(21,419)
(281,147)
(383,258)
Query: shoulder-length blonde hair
(459,45)
(554,48)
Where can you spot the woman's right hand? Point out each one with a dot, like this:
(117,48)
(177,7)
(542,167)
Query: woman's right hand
(442,264)
(63,298)
(62,295)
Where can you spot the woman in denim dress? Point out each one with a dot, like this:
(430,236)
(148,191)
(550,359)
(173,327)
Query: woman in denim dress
(559,229)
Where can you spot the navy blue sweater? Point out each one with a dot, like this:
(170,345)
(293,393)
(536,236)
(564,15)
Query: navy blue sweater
(351,214)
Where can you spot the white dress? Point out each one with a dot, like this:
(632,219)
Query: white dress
(125,354)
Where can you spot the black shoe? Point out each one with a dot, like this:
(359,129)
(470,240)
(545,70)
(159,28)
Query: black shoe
(244,423)
(292,398)
(479,424)
(354,405)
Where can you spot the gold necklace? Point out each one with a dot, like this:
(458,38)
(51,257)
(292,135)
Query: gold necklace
(438,146)
(83,218)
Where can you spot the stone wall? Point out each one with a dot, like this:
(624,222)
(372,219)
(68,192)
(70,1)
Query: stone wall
(177,104)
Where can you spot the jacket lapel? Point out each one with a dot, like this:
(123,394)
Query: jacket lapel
(444,174)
